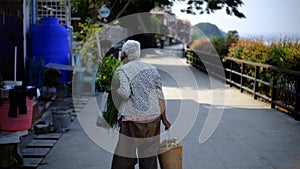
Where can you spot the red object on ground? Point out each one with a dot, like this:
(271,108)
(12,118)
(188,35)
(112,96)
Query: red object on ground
(22,122)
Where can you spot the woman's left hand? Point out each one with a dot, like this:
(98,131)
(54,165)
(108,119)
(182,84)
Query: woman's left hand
(167,124)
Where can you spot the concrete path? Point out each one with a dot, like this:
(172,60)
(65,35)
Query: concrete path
(249,135)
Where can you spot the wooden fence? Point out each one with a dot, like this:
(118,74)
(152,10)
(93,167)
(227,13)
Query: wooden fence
(281,87)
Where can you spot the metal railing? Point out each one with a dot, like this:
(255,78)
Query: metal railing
(281,87)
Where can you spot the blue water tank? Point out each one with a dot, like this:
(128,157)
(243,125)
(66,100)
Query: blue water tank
(49,40)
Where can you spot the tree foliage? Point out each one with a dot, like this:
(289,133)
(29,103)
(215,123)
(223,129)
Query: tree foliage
(89,8)
(210,6)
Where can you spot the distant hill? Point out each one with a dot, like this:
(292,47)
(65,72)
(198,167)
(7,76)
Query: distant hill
(210,30)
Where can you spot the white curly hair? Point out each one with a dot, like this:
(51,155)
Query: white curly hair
(132,49)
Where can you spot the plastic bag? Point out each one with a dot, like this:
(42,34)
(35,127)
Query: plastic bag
(101,122)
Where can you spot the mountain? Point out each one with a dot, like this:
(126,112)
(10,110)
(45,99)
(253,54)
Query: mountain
(210,30)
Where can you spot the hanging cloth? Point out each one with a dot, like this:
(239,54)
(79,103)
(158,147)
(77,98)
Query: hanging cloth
(17,99)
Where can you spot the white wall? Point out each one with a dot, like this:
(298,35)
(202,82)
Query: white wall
(26,25)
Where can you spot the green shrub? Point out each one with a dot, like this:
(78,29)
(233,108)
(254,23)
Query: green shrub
(283,53)
(203,45)
(215,44)
(89,52)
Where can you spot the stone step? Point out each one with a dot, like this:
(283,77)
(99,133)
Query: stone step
(35,152)
(41,143)
(50,136)
(79,106)
(31,163)
(78,110)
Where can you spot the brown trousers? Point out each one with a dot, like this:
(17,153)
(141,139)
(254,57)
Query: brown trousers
(137,137)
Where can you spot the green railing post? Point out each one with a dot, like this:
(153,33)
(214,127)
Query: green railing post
(187,57)
(255,87)
(230,73)
(242,78)
(297,106)
(193,59)
(274,92)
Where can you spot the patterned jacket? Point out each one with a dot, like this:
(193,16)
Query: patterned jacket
(140,88)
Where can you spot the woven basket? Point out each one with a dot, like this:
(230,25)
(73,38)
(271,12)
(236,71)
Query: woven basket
(171,158)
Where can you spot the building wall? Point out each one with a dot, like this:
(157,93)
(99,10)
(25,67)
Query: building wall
(178,28)
(11,33)
(184,30)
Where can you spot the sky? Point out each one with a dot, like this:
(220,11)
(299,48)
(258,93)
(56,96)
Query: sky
(263,18)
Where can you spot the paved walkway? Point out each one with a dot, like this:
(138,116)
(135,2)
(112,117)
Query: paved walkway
(249,135)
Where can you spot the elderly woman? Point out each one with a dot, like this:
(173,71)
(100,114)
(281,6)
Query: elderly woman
(140,112)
